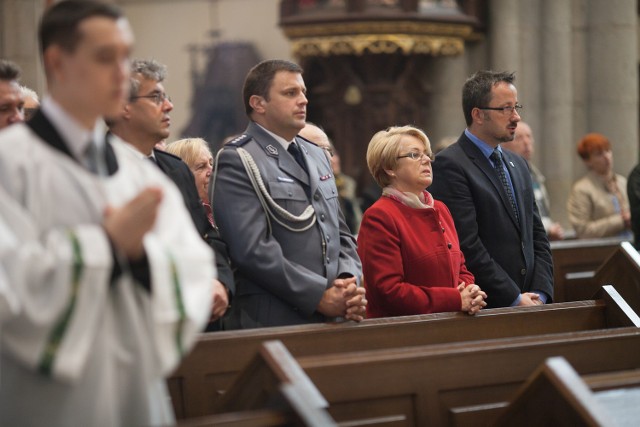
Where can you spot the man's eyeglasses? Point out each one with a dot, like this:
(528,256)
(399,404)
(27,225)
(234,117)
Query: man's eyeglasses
(157,98)
(507,111)
(417,156)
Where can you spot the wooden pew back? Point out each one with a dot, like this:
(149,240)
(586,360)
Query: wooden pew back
(217,359)
(556,395)
(575,263)
(450,384)
(622,270)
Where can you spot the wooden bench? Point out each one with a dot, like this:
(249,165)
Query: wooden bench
(293,401)
(622,270)
(556,395)
(459,384)
(219,357)
(575,263)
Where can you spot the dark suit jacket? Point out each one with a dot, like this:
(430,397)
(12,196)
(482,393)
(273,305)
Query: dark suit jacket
(506,257)
(181,175)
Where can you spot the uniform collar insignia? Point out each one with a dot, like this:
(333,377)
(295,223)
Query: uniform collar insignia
(272,150)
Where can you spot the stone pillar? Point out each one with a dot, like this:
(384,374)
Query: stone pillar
(503,34)
(445,77)
(613,78)
(555,141)
(19,39)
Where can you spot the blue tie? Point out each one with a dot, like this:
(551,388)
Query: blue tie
(497,165)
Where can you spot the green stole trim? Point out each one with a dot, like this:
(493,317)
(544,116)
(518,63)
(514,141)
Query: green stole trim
(57,333)
(180,305)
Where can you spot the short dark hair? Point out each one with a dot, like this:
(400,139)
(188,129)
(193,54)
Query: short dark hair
(149,69)
(60,22)
(476,92)
(9,70)
(259,80)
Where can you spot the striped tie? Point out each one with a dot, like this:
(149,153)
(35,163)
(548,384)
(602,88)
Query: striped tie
(497,165)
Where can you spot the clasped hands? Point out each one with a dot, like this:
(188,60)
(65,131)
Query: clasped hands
(344,299)
(473,298)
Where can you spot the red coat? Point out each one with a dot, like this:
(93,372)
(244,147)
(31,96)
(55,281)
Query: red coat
(411,259)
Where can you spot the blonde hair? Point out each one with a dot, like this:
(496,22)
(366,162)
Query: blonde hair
(384,148)
(188,149)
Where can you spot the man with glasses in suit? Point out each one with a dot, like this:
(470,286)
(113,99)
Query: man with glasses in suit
(489,193)
(143,123)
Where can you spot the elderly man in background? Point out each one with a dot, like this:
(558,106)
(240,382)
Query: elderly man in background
(31,102)
(345,184)
(522,145)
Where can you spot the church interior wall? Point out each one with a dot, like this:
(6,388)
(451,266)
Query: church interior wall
(576,63)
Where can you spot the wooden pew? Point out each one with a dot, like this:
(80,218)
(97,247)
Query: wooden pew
(622,270)
(556,395)
(457,384)
(293,401)
(575,263)
(219,357)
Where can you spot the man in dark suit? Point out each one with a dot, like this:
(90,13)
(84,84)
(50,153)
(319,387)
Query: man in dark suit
(489,193)
(276,203)
(144,122)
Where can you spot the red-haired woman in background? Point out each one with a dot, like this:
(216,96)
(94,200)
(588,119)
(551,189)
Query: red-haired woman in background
(598,205)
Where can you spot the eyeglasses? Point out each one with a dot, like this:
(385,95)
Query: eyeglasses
(417,156)
(328,150)
(507,111)
(157,98)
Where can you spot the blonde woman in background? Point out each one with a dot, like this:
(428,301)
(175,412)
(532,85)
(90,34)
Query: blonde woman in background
(196,154)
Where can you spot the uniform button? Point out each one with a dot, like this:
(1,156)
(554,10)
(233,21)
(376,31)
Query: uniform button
(290,194)
(316,197)
(328,238)
(522,245)
(449,245)
(523,271)
(321,217)
(328,260)
(443,229)
(333,191)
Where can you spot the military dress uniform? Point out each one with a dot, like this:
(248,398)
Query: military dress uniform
(285,255)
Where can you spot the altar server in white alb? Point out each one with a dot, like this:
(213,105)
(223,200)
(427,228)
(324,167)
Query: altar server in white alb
(116,283)
(8,247)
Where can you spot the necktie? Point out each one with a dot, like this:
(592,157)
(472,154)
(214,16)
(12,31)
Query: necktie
(95,159)
(497,165)
(294,150)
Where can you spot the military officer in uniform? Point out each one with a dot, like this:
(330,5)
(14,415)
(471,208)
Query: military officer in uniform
(275,201)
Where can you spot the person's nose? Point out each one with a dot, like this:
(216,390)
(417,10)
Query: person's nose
(17,116)
(167,105)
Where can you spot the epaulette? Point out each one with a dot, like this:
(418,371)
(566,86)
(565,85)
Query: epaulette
(239,141)
(305,139)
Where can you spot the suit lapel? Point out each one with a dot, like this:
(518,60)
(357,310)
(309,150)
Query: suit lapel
(476,156)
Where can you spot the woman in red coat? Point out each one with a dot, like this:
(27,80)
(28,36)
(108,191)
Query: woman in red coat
(411,257)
